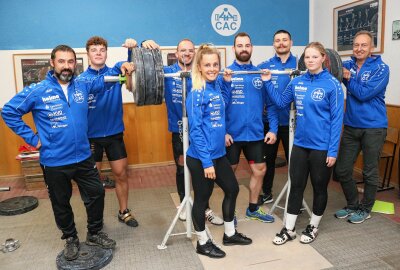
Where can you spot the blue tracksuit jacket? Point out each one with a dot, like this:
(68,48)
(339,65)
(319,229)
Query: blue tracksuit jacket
(105,115)
(206,115)
(62,125)
(173,97)
(319,109)
(365,102)
(280,82)
(245,108)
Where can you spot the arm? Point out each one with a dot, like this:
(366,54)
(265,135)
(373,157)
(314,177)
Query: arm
(12,114)
(195,105)
(225,84)
(281,100)
(375,85)
(336,103)
(273,120)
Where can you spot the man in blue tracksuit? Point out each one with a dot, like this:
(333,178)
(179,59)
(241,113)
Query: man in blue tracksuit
(283,60)
(59,108)
(185,53)
(245,129)
(106,127)
(365,122)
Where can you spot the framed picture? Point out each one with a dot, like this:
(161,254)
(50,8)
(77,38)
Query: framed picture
(33,67)
(169,57)
(360,15)
(396,30)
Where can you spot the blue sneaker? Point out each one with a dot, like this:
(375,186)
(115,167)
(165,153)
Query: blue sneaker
(344,213)
(359,216)
(260,215)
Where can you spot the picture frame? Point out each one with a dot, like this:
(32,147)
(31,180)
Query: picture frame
(169,58)
(360,15)
(32,67)
(396,30)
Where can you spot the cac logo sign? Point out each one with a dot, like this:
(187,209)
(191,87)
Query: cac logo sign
(226,20)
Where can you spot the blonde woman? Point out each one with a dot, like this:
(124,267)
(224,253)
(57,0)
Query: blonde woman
(206,158)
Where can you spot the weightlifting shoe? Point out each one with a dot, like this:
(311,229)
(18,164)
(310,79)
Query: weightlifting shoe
(71,250)
(100,239)
(213,218)
(236,239)
(210,249)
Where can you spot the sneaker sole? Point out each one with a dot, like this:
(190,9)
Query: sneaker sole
(268,201)
(284,242)
(263,221)
(361,221)
(343,217)
(210,256)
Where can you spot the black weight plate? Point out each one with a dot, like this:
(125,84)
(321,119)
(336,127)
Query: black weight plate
(18,205)
(336,67)
(90,257)
(150,77)
(137,59)
(159,67)
(301,65)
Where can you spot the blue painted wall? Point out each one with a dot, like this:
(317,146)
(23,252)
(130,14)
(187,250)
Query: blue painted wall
(36,24)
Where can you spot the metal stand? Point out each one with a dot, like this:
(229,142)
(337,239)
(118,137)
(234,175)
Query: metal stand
(286,188)
(187,202)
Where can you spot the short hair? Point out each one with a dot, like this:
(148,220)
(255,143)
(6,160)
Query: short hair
(241,34)
(283,31)
(367,33)
(185,39)
(63,48)
(96,40)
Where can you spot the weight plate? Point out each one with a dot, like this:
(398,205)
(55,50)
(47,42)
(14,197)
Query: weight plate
(18,205)
(137,59)
(159,67)
(90,257)
(150,77)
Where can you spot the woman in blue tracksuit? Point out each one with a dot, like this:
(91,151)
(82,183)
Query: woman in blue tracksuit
(206,158)
(319,100)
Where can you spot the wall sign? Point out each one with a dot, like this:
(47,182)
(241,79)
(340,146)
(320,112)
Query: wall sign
(226,20)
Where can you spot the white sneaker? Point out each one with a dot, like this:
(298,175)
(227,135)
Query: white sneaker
(182,215)
(212,218)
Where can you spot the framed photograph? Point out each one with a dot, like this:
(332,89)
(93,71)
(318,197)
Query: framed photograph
(360,15)
(396,30)
(169,57)
(32,68)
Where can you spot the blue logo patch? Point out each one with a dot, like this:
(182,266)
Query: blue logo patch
(257,82)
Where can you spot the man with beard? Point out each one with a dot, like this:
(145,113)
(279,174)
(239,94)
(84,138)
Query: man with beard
(106,127)
(185,53)
(283,60)
(59,107)
(245,129)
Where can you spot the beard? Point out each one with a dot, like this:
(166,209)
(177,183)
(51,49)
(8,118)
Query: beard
(65,75)
(243,56)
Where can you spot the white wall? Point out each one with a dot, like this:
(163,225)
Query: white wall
(321,29)
(7,80)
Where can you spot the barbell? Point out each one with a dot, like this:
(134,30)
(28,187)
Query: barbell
(147,82)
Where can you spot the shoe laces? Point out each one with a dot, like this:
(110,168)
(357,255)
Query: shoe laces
(309,229)
(261,211)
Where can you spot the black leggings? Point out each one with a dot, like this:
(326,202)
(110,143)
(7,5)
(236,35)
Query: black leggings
(305,162)
(203,188)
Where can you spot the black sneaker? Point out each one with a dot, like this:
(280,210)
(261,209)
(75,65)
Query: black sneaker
(266,198)
(236,239)
(210,249)
(71,250)
(108,183)
(100,239)
(128,218)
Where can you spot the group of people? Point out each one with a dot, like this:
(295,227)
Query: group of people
(228,115)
